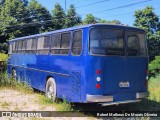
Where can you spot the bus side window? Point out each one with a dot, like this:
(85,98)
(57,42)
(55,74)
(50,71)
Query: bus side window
(77,43)
(19,46)
(13,47)
(61,43)
(43,45)
(31,45)
(55,45)
(65,43)
(16,47)
(24,42)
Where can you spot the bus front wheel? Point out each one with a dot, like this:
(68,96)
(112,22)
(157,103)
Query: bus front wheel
(51,89)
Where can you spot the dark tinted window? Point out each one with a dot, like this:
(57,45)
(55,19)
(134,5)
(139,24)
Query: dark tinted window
(24,43)
(46,42)
(65,43)
(31,45)
(135,43)
(56,40)
(43,45)
(60,43)
(34,44)
(105,41)
(77,43)
(19,46)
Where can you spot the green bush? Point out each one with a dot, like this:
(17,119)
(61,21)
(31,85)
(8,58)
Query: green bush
(154,67)
(14,84)
(154,88)
(3,57)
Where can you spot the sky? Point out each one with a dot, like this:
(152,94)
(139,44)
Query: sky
(100,8)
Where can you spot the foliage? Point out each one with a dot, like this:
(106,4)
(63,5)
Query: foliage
(3,47)
(154,66)
(58,17)
(40,17)
(149,21)
(89,19)
(14,84)
(12,18)
(72,18)
(92,19)
(154,88)
(113,22)
(3,57)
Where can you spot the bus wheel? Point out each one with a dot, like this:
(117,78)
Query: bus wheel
(14,74)
(51,89)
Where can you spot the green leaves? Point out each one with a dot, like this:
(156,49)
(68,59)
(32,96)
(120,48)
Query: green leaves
(154,67)
(89,19)
(40,18)
(58,17)
(72,18)
(149,21)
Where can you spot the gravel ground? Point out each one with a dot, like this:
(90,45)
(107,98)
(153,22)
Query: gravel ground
(11,100)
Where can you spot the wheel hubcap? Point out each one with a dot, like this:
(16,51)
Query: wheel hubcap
(14,74)
(51,91)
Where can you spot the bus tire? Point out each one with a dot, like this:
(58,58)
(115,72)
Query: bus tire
(14,74)
(51,89)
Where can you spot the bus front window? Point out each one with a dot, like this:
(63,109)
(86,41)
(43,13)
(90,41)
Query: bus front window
(105,41)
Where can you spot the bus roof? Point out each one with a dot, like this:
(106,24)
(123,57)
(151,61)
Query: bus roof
(80,27)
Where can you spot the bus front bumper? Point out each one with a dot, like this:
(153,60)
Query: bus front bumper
(108,100)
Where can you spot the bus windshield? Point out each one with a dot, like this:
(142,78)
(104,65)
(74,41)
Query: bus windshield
(105,41)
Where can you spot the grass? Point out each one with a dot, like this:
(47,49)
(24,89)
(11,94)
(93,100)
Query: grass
(6,82)
(5,104)
(59,104)
(154,88)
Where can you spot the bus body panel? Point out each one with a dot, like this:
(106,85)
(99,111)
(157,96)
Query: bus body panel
(115,70)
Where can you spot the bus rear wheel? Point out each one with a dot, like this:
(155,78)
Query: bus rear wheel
(51,89)
(14,74)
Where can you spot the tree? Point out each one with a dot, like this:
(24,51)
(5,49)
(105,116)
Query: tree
(12,17)
(41,19)
(90,19)
(72,18)
(109,22)
(58,17)
(25,2)
(149,21)
(102,21)
(114,22)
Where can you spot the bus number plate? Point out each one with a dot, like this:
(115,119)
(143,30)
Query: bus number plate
(124,84)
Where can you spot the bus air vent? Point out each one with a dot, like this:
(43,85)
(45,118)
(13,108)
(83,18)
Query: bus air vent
(75,85)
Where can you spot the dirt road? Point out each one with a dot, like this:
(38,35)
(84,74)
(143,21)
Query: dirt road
(12,100)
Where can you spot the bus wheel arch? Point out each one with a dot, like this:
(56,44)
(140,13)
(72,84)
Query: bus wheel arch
(51,90)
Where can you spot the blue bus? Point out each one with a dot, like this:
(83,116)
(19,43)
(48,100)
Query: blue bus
(95,63)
